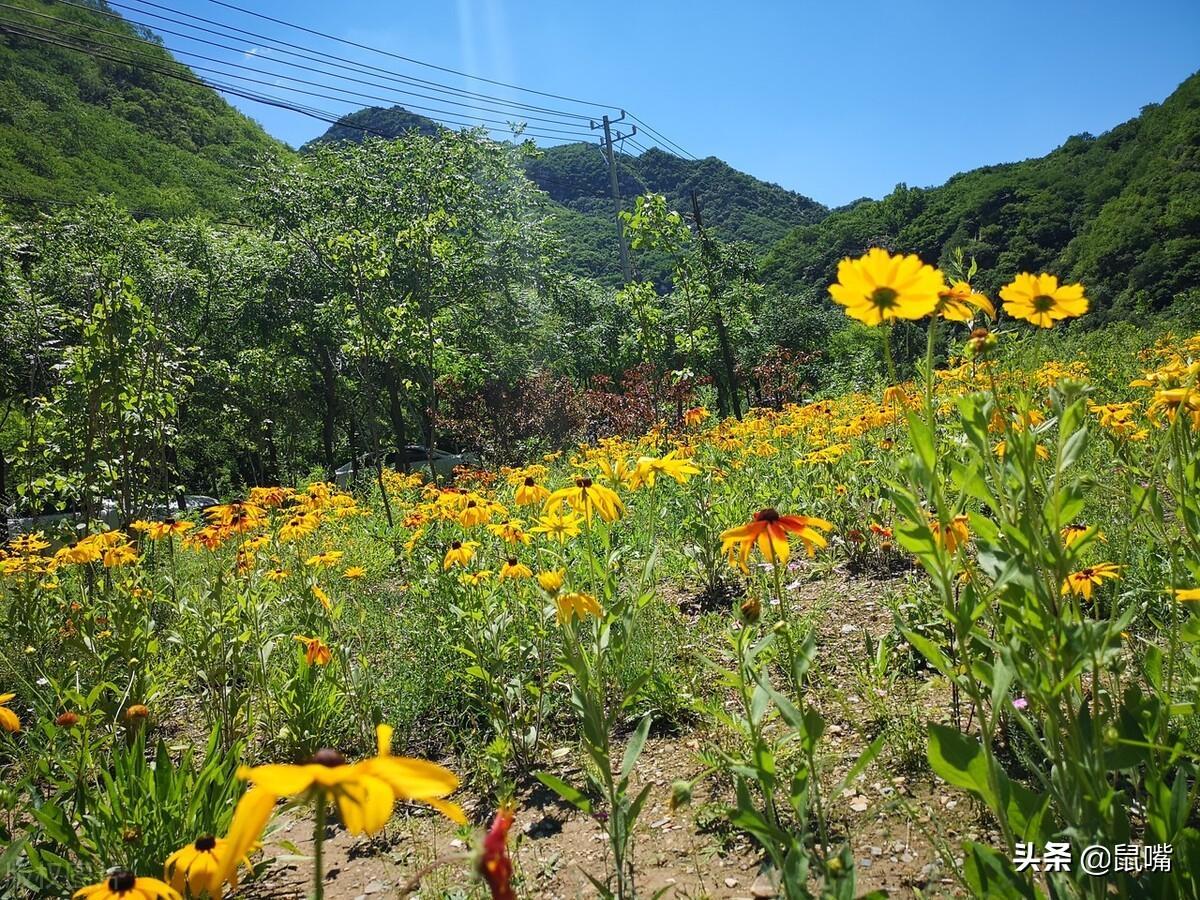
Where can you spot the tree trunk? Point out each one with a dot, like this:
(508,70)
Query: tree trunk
(329,408)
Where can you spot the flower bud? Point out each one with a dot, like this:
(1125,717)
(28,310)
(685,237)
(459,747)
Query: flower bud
(681,794)
(751,610)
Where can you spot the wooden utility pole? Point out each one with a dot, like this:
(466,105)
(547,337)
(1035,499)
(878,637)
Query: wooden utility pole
(611,155)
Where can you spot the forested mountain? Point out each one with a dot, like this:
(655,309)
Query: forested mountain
(1119,212)
(575,176)
(76,124)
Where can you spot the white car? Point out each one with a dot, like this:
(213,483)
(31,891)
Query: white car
(418,459)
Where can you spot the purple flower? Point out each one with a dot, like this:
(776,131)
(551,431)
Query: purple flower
(1020,703)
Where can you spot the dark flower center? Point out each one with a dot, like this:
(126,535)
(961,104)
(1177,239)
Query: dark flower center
(330,758)
(529,482)
(884,297)
(584,483)
(512,561)
(456,545)
(121,881)
(471,504)
(168,522)
(206,843)
(766,515)
(1043,303)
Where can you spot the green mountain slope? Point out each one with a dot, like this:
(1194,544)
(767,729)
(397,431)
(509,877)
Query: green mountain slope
(75,124)
(1120,212)
(575,176)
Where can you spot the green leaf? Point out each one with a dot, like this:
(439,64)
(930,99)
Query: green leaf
(634,748)
(564,790)
(991,875)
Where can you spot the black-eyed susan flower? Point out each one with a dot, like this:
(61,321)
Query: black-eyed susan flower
(672,465)
(120,555)
(298,526)
(1040,299)
(769,530)
(195,870)
(513,569)
(1089,577)
(325,559)
(952,535)
(460,553)
(558,526)
(587,497)
(319,593)
(474,579)
(167,528)
(1073,533)
(237,517)
(276,574)
(529,492)
(576,605)
(78,553)
(124,885)
(695,416)
(511,531)
(878,287)
(9,720)
(316,651)
(551,582)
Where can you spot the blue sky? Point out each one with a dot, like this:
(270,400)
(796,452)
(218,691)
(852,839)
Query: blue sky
(832,103)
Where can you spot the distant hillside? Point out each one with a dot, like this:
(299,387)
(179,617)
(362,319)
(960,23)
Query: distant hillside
(74,124)
(575,176)
(1119,212)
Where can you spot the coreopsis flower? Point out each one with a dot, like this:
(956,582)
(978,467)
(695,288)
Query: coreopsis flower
(124,885)
(511,531)
(1183,595)
(1041,300)
(1087,578)
(495,865)
(558,526)
(952,535)
(316,651)
(353,573)
(460,554)
(325,559)
(576,605)
(167,528)
(551,582)
(960,302)
(695,416)
(769,530)
(879,287)
(588,497)
(529,492)
(514,569)
(9,720)
(648,469)
(195,870)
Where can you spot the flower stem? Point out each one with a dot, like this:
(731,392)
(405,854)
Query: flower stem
(319,849)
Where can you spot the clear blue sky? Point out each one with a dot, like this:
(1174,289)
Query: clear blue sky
(833,101)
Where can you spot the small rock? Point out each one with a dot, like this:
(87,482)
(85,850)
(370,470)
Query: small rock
(457,844)
(866,863)
(764,887)
(731,882)
(877,851)
(373,887)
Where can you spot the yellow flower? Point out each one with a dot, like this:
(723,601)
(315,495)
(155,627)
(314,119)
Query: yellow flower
(959,303)
(695,416)
(166,528)
(475,578)
(1073,533)
(1041,300)
(576,605)
(460,554)
(551,582)
(530,492)
(316,652)
(1183,595)
(326,559)
(354,572)
(558,526)
(195,870)
(953,535)
(1083,581)
(322,596)
(239,517)
(276,575)
(124,885)
(514,569)
(9,720)
(587,496)
(769,530)
(648,469)
(878,287)
(510,531)
(122,555)
(29,543)
(474,513)
(298,526)
(78,553)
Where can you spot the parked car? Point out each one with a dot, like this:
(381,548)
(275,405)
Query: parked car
(417,458)
(57,522)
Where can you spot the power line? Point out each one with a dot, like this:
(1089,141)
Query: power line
(308,54)
(292,78)
(409,59)
(33,31)
(662,137)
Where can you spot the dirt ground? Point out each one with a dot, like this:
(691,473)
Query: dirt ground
(901,826)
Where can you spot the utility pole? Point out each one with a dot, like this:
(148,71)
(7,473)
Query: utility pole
(611,155)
